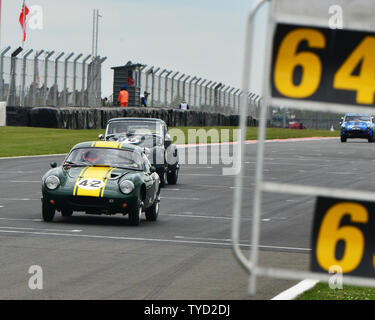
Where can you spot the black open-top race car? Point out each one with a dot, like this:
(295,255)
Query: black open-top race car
(152,135)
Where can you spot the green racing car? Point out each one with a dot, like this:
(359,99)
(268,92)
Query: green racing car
(102,177)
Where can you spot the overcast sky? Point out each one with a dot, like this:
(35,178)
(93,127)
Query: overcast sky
(197,37)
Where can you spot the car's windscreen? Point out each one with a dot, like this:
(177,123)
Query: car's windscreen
(106,157)
(135,127)
(357,118)
(148,141)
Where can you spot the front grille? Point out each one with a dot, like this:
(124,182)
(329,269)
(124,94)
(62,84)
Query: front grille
(88,200)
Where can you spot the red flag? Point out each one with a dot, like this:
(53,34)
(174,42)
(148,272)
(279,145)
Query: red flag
(23,16)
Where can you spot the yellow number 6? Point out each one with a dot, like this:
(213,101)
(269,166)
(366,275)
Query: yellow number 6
(287,60)
(331,232)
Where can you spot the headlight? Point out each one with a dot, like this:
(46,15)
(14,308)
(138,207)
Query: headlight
(52,182)
(126,186)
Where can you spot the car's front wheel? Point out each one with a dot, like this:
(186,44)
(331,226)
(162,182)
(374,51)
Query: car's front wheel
(135,213)
(172,176)
(343,139)
(152,213)
(371,139)
(163,177)
(48,211)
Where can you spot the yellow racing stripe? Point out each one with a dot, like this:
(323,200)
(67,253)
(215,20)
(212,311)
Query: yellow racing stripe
(107,144)
(78,180)
(105,182)
(98,173)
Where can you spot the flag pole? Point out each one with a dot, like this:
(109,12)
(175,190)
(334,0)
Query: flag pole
(0,20)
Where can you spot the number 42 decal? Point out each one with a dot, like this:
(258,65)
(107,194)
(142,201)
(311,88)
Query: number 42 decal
(91,184)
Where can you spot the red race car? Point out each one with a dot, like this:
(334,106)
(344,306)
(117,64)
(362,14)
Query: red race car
(295,125)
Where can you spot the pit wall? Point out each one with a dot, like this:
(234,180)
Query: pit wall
(97,118)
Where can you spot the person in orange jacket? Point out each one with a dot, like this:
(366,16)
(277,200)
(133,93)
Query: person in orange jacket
(123,97)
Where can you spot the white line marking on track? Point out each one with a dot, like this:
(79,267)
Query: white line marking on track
(15,219)
(296,290)
(20,181)
(207,216)
(220,186)
(26,199)
(344,173)
(171,198)
(19,171)
(243,244)
(211,175)
(190,215)
(37,156)
(40,229)
(209,239)
(90,236)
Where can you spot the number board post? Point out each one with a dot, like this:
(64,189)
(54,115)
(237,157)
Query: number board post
(310,66)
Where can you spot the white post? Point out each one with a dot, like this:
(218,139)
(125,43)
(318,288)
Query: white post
(3,114)
(97,31)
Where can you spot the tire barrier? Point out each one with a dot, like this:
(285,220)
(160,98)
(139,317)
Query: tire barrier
(97,118)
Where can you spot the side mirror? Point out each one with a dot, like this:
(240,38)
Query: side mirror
(53,164)
(152,169)
(101,137)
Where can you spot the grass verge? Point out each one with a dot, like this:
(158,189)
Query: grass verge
(25,141)
(323,292)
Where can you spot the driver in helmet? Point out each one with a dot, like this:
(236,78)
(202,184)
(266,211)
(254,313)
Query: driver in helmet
(91,156)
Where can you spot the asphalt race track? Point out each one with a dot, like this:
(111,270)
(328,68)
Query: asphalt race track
(187,253)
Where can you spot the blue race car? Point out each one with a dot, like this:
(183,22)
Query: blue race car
(357,126)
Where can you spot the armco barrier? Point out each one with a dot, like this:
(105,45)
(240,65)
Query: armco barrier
(97,118)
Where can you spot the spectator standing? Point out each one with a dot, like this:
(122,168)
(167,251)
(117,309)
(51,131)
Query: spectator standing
(184,106)
(123,97)
(144,97)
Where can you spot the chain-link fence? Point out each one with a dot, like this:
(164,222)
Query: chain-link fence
(45,78)
(283,117)
(167,88)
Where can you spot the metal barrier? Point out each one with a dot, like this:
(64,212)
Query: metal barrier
(168,88)
(66,80)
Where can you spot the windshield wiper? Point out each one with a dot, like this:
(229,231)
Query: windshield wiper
(127,168)
(73,164)
(109,136)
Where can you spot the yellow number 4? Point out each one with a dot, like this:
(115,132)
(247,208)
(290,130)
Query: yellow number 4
(364,83)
